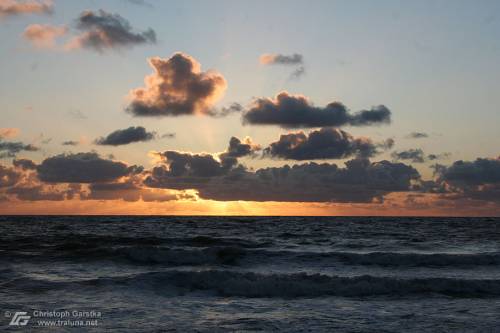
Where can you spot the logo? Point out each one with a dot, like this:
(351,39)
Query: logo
(20,319)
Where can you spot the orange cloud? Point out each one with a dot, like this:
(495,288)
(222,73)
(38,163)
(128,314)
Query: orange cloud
(12,7)
(7,133)
(44,36)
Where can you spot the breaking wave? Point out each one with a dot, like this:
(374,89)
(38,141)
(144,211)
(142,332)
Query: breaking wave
(212,251)
(256,285)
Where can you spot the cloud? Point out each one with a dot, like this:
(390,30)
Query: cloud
(130,191)
(8,176)
(101,31)
(24,164)
(221,177)
(14,8)
(39,192)
(479,172)
(192,165)
(417,135)
(70,143)
(281,59)
(477,180)
(11,149)
(414,155)
(9,133)
(140,3)
(199,166)
(288,60)
(224,111)
(442,156)
(237,149)
(126,136)
(360,181)
(326,143)
(44,36)
(83,168)
(296,111)
(297,73)
(417,156)
(22,182)
(177,87)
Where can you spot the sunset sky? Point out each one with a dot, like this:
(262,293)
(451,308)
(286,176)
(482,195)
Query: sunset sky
(250,107)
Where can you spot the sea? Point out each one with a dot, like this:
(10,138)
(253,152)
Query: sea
(249,274)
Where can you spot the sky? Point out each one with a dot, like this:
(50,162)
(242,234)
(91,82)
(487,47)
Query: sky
(249,107)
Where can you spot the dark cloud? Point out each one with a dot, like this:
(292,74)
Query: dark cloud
(477,180)
(281,59)
(23,182)
(15,7)
(11,149)
(83,168)
(177,87)
(296,111)
(417,135)
(360,181)
(288,60)
(129,191)
(102,30)
(225,111)
(237,149)
(224,179)
(479,172)
(418,156)
(70,143)
(326,143)
(376,115)
(8,176)
(414,155)
(126,136)
(39,192)
(191,167)
(24,164)
(20,182)
(442,156)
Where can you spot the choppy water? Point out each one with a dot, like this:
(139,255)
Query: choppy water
(293,274)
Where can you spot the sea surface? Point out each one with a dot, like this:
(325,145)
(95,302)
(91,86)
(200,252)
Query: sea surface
(250,274)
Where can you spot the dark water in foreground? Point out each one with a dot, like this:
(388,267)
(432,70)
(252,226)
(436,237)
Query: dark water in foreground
(293,274)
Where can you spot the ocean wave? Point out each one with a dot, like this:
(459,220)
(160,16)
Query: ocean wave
(400,259)
(255,285)
(158,255)
(233,252)
(84,241)
(237,255)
